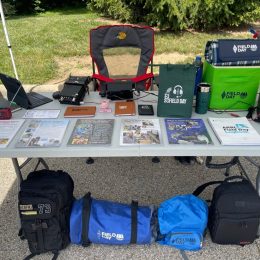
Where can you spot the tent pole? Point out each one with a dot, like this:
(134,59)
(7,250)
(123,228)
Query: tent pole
(7,39)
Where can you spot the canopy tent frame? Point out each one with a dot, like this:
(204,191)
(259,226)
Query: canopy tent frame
(7,39)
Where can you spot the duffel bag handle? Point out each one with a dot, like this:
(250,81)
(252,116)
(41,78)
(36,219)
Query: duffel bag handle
(134,221)
(86,208)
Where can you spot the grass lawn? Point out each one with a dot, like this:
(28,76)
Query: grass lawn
(38,41)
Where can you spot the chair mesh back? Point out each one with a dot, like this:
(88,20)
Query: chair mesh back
(122,51)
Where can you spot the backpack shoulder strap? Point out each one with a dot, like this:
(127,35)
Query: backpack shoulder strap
(29,256)
(202,187)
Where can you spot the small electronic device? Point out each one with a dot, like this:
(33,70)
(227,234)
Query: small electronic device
(145,110)
(74,90)
(72,94)
(119,90)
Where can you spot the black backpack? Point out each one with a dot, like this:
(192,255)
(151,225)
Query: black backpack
(45,201)
(234,212)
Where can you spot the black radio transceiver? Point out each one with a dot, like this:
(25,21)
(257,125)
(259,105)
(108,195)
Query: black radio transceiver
(74,90)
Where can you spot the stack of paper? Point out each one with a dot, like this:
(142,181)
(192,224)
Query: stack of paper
(234,131)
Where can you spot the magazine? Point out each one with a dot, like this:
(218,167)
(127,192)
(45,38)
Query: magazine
(234,131)
(43,133)
(8,129)
(92,131)
(140,131)
(187,131)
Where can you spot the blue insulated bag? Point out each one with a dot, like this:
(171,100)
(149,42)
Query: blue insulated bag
(182,222)
(105,222)
(233,52)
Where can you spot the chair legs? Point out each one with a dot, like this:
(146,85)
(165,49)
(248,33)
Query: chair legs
(156,159)
(90,160)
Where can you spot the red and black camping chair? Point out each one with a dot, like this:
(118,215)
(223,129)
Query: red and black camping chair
(121,55)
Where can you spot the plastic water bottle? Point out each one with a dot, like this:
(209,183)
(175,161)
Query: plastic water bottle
(199,65)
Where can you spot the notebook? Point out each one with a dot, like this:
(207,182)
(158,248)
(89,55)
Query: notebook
(80,111)
(125,108)
(17,94)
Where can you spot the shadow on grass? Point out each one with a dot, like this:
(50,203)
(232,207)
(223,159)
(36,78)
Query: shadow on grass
(61,11)
(165,33)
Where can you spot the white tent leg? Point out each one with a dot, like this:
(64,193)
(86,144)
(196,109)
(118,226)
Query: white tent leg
(7,39)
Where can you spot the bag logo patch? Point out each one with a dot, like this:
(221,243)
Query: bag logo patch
(233,94)
(26,207)
(244,47)
(173,95)
(109,236)
(44,208)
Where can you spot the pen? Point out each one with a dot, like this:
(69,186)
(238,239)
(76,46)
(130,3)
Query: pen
(234,115)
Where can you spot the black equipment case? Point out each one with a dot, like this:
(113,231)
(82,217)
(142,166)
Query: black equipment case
(234,212)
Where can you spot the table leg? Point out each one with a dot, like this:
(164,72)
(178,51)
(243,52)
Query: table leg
(17,169)
(258,174)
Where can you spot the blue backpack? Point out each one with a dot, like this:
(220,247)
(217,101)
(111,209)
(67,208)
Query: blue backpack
(182,222)
(105,222)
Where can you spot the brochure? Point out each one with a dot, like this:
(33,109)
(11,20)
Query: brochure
(43,133)
(8,129)
(140,131)
(42,113)
(92,131)
(187,131)
(234,131)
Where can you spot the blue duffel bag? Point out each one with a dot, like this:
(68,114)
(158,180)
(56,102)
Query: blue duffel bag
(182,222)
(106,222)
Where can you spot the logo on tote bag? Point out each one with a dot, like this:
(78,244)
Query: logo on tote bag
(173,95)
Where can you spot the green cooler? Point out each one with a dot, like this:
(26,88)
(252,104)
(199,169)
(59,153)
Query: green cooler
(232,88)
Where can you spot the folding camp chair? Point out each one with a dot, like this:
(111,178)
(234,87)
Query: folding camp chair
(120,56)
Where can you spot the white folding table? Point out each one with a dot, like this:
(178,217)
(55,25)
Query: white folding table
(117,150)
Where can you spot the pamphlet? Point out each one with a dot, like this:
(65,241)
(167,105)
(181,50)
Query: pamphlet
(43,133)
(42,113)
(92,131)
(140,131)
(187,131)
(234,131)
(8,129)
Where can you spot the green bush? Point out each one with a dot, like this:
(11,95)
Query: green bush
(116,9)
(220,13)
(8,7)
(178,15)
